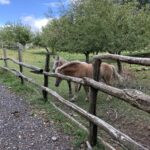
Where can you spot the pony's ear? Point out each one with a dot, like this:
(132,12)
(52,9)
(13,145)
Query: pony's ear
(57,58)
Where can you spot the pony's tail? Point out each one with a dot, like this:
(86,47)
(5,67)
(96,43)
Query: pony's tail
(116,75)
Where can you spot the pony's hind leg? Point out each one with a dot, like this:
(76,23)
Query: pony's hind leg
(108,82)
(78,87)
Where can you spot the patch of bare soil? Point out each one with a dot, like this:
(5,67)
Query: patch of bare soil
(137,129)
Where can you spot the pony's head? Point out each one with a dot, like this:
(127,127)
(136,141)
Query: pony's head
(57,63)
(70,69)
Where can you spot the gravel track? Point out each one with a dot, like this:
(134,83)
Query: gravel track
(20,130)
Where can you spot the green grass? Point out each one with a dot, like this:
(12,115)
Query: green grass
(39,107)
(106,110)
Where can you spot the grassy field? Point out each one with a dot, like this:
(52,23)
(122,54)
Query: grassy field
(121,115)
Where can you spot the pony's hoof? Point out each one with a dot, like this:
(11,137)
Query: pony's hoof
(108,98)
(86,99)
(73,99)
(70,97)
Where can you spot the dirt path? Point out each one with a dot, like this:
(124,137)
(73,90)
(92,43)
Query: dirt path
(20,130)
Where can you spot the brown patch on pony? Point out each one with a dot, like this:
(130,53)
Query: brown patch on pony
(75,68)
(70,64)
(82,69)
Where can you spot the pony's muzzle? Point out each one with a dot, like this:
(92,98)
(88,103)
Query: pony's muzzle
(57,82)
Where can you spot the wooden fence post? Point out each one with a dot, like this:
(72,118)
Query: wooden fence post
(20,60)
(5,56)
(47,69)
(93,99)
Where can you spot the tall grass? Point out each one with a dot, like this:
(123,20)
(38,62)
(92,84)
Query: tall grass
(114,111)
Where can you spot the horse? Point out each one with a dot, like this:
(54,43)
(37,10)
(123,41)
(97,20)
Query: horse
(59,62)
(81,69)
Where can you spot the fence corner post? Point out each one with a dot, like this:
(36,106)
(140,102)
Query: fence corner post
(47,69)
(92,105)
(20,49)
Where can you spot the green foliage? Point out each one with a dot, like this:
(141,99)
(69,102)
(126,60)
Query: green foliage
(22,34)
(38,40)
(51,35)
(129,28)
(81,29)
(11,33)
(96,26)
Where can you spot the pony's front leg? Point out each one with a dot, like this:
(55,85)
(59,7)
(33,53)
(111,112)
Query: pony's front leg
(70,90)
(86,88)
(76,92)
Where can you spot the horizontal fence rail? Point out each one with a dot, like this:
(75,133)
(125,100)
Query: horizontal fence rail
(127,59)
(116,134)
(133,97)
(33,68)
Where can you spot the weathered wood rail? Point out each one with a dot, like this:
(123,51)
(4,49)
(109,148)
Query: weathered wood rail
(134,97)
(127,59)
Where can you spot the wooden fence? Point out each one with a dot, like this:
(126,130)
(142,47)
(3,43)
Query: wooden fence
(133,97)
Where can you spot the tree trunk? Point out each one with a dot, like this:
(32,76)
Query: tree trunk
(119,64)
(87,57)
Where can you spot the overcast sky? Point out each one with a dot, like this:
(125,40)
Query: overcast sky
(30,12)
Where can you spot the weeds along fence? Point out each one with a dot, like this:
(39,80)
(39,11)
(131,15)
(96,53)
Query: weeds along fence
(134,97)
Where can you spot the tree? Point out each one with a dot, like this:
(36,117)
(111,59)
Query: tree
(38,39)
(13,33)
(7,36)
(141,2)
(97,26)
(51,35)
(129,29)
(81,29)
(23,34)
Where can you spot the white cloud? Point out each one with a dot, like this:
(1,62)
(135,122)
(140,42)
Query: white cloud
(60,3)
(4,2)
(72,1)
(1,25)
(53,4)
(35,23)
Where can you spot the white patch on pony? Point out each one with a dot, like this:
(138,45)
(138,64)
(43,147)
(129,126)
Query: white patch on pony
(57,69)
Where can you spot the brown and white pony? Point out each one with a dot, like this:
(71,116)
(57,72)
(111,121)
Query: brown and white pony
(82,69)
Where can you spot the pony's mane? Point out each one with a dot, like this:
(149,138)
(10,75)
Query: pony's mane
(68,64)
(63,60)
